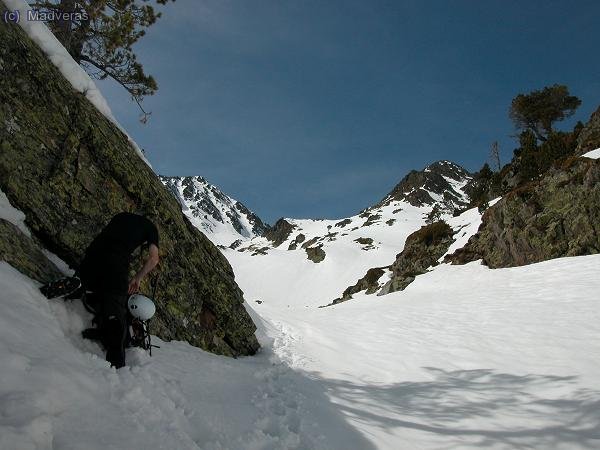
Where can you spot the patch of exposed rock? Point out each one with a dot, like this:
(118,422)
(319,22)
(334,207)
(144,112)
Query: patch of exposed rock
(280,232)
(422,249)
(368,283)
(315,254)
(297,241)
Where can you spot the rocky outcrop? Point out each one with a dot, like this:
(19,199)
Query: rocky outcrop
(422,249)
(315,254)
(24,254)
(589,138)
(297,241)
(369,283)
(558,215)
(280,232)
(69,169)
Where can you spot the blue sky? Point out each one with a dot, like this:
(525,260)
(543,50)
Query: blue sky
(318,108)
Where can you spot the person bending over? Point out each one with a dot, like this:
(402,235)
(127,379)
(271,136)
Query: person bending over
(105,272)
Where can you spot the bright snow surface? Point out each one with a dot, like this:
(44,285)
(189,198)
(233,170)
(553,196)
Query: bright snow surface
(465,357)
(593,154)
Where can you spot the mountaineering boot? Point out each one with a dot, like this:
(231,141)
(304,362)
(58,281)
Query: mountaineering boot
(93,334)
(61,288)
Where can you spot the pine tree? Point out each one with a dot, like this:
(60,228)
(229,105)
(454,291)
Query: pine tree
(99,35)
(538,110)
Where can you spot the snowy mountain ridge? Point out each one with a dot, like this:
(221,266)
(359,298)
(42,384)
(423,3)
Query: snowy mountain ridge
(315,260)
(222,218)
(443,183)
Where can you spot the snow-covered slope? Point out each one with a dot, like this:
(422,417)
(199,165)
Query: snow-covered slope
(223,219)
(350,246)
(464,358)
(57,392)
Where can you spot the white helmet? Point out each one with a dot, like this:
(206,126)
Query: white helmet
(141,307)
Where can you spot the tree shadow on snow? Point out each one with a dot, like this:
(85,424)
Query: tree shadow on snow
(479,408)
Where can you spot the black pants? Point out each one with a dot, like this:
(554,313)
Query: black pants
(109,300)
(111,315)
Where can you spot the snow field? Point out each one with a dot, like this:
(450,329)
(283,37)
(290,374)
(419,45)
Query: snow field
(289,276)
(465,357)
(56,390)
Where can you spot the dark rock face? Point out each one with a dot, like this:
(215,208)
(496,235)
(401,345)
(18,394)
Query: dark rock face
(24,254)
(279,233)
(415,187)
(589,138)
(343,223)
(422,249)
(70,170)
(556,216)
(315,254)
(299,240)
(368,283)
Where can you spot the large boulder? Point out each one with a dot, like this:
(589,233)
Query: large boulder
(69,169)
(558,215)
(422,249)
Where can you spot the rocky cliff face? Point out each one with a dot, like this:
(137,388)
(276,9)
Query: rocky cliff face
(558,215)
(70,170)
(222,218)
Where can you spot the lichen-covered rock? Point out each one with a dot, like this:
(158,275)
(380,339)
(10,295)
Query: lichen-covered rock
(589,138)
(422,249)
(558,215)
(69,169)
(21,252)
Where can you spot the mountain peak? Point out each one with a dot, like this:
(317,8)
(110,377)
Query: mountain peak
(440,182)
(221,217)
(448,169)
